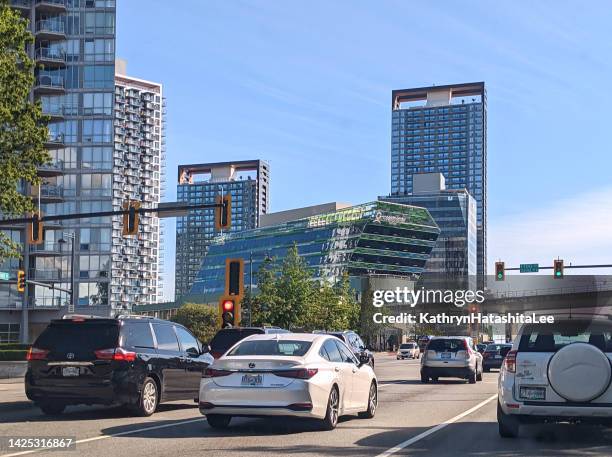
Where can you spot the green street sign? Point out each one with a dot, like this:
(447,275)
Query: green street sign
(529,267)
(4,275)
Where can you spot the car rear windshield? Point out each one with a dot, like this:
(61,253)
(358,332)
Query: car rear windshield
(407,346)
(225,339)
(497,347)
(272,347)
(552,337)
(446,345)
(79,337)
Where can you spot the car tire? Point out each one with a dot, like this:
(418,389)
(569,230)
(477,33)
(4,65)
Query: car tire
(424,379)
(148,400)
(479,375)
(333,410)
(472,377)
(508,425)
(219,421)
(52,408)
(372,403)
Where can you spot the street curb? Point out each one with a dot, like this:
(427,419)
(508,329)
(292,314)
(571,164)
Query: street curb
(10,370)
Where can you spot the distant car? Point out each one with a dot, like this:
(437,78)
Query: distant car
(293,374)
(481,347)
(557,372)
(408,351)
(227,337)
(353,341)
(451,356)
(493,356)
(136,362)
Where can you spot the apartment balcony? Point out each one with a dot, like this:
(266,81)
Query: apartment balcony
(48,192)
(50,29)
(51,57)
(54,141)
(55,113)
(51,6)
(48,249)
(23,6)
(51,169)
(49,84)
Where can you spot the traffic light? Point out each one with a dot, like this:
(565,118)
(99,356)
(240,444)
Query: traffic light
(227,310)
(223,213)
(234,277)
(558,269)
(132,218)
(21,281)
(500,272)
(35,230)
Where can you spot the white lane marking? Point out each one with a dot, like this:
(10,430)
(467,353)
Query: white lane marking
(438,427)
(103,437)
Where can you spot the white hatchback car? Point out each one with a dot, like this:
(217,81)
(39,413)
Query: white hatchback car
(558,372)
(292,374)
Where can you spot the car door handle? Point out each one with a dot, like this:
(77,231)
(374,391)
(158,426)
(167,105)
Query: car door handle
(336,368)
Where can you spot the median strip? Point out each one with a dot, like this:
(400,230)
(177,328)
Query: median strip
(103,437)
(433,430)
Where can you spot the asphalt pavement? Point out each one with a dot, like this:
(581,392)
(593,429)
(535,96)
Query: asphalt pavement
(448,418)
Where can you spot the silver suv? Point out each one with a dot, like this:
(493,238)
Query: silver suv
(558,372)
(451,356)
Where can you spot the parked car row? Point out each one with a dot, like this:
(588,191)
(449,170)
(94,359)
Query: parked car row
(140,362)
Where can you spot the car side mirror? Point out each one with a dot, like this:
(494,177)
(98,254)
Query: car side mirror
(204,348)
(193,352)
(364,359)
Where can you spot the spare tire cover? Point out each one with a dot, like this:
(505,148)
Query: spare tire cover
(579,372)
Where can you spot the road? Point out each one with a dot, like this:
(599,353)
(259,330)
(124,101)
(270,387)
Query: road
(450,418)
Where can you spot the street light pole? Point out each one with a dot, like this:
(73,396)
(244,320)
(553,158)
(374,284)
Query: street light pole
(73,295)
(250,288)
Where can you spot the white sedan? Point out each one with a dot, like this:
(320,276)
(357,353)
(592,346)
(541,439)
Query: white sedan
(291,374)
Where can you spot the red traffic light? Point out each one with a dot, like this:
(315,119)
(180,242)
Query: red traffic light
(228,305)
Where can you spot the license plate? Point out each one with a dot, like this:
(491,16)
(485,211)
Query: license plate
(70,371)
(252,380)
(445,355)
(533,393)
(498,356)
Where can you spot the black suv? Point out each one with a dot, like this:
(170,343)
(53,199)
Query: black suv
(355,342)
(227,337)
(132,361)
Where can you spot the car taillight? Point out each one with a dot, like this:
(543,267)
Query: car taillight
(301,373)
(213,373)
(118,354)
(510,362)
(37,354)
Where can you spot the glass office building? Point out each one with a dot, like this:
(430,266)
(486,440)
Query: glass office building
(247,182)
(372,239)
(74,49)
(443,129)
(453,259)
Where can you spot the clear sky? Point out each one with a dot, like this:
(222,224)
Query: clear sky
(307,86)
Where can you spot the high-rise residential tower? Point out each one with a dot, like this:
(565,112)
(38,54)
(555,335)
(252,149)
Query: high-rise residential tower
(443,129)
(138,173)
(248,182)
(74,48)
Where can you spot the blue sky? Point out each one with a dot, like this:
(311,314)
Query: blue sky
(307,86)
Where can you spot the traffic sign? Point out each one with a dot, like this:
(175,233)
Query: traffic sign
(4,276)
(529,267)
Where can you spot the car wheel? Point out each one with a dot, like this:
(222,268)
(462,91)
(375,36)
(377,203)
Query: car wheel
(424,379)
(397,357)
(479,375)
(149,399)
(372,403)
(333,409)
(218,420)
(52,408)
(472,377)
(508,425)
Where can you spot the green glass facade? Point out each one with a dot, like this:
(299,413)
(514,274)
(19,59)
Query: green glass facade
(377,238)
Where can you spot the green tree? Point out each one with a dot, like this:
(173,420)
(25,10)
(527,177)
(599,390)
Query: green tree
(200,319)
(267,297)
(23,128)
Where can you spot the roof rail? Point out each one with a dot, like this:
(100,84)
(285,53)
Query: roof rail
(133,316)
(82,316)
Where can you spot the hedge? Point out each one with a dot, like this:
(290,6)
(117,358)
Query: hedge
(13,354)
(4,346)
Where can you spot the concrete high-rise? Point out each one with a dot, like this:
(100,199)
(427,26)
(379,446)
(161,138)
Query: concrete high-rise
(248,182)
(74,48)
(443,129)
(138,174)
